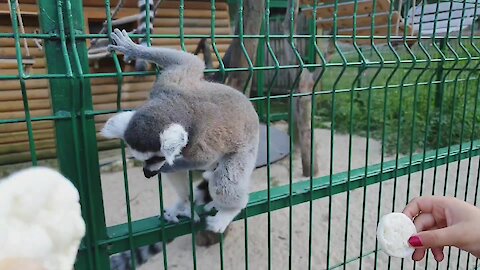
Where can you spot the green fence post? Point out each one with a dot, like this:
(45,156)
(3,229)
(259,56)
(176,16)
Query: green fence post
(260,74)
(440,86)
(75,136)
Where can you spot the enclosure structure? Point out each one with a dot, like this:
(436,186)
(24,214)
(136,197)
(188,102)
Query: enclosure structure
(406,99)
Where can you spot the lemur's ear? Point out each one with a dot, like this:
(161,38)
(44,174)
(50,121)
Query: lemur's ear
(116,125)
(172,141)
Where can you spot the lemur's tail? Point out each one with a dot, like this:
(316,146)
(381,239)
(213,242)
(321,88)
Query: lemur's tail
(123,260)
(141,64)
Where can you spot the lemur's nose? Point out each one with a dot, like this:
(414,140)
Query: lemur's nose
(148,173)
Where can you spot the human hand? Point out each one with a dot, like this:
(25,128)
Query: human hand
(443,221)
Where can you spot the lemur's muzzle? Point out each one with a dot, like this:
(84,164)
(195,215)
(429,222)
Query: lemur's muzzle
(152,163)
(148,173)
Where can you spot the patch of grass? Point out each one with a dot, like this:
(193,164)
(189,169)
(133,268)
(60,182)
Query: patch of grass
(415,105)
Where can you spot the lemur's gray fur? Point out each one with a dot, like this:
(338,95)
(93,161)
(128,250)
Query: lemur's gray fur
(189,123)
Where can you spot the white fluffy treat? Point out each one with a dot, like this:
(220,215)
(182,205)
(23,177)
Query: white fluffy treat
(393,232)
(40,221)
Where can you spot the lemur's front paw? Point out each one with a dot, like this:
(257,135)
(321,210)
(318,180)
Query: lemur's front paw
(181,209)
(122,43)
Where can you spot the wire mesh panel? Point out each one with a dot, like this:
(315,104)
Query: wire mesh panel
(379,100)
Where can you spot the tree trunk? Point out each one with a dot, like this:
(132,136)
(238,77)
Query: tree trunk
(303,105)
(303,118)
(252,21)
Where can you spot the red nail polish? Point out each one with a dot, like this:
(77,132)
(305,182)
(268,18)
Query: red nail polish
(415,241)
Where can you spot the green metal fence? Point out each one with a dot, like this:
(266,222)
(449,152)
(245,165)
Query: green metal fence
(406,100)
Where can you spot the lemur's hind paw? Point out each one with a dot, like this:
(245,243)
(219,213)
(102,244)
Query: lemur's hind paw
(221,220)
(217,224)
(181,209)
(122,43)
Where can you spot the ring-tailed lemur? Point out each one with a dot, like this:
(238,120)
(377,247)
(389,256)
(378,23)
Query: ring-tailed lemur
(189,123)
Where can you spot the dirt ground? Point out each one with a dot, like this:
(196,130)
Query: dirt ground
(346,221)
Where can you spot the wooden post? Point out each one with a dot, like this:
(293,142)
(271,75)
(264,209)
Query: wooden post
(252,21)
(303,105)
(303,117)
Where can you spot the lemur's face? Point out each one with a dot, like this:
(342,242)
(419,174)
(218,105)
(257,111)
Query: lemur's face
(115,129)
(154,148)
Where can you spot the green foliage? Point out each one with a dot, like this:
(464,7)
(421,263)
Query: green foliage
(409,116)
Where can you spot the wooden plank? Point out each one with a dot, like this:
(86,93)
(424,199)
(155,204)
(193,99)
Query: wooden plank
(114,81)
(14,127)
(347,8)
(125,105)
(99,99)
(46,134)
(22,146)
(219,5)
(190,22)
(99,13)
(10,42)
(14,71)
(11,51)
(364,20)
(29,84)
(22,136)
(126,96)
(15,95)
(8,28)
(17,106)
(25,156)
(126,88)
(43,126)
(48,153)
(169,11)
(25,7)
(22,12)
(190,13)
(190,31)
(21,114)
(189,41)
(380,30)
(11,63)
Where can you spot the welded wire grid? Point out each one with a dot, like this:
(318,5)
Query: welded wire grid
(406,100)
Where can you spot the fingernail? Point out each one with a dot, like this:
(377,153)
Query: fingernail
(415,241)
